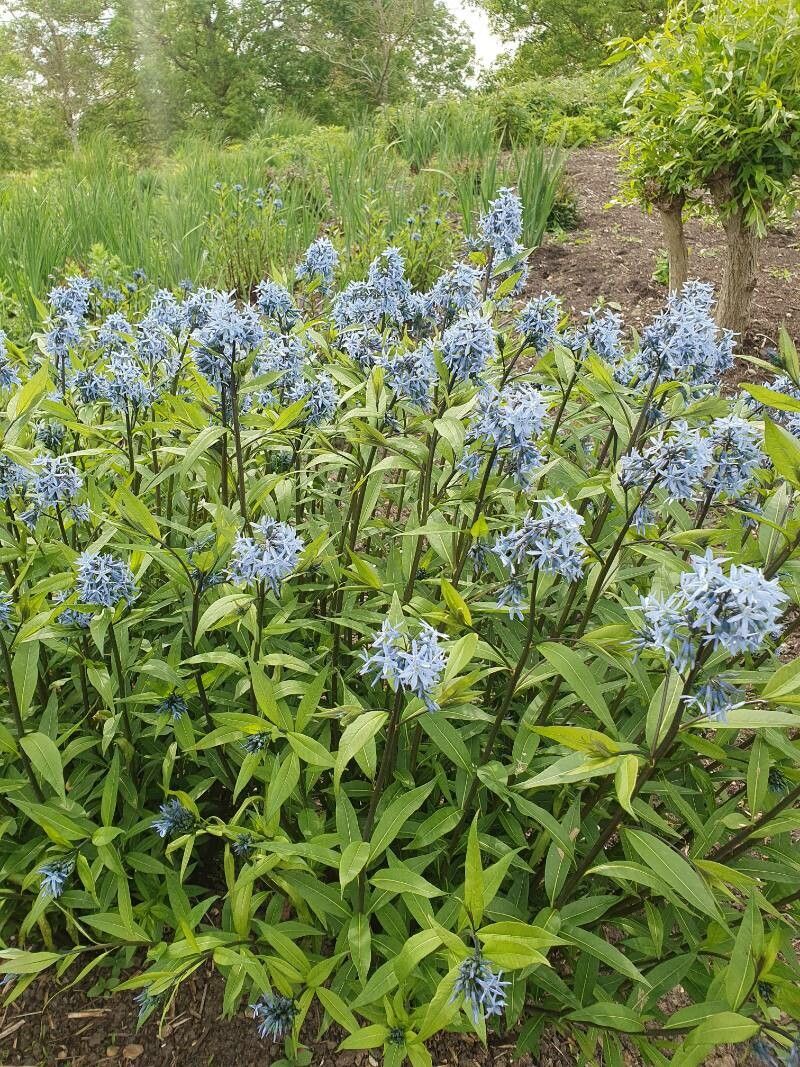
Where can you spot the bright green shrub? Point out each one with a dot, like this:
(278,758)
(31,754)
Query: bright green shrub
(714,109)
(372,644)
(561,110)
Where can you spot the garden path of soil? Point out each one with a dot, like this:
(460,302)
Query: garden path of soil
(611,256)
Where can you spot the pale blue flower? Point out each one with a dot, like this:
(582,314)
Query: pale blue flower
(715,698)
(270,555)
(72,298)
(454,292)
(552,543)
(115,333)
(320,261)
(275,302)
(54,877)
(411,374)
(511,420)
(482,989)
(275,1016)
(6,609)
(104,580)
(736,612)
(736,454)
(601,334)
(55,481)
(684,343)
(511,596)
(467,346)
(173,705)
(538,321)
(676,463)
(501,227)
(174,819)
(9,375)
(412,663)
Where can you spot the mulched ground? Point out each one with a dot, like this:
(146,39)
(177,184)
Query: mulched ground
(68,1028)
(612,255)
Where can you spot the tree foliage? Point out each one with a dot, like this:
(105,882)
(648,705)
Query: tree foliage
(150,69)
(715,108)
(558,35)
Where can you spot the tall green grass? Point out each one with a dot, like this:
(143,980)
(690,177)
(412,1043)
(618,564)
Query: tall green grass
(360,184)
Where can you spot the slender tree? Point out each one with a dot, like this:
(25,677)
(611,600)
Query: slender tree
(714,111)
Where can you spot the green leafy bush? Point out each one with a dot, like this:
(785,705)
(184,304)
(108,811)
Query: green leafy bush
(714,110)
(561,110)
(404,655)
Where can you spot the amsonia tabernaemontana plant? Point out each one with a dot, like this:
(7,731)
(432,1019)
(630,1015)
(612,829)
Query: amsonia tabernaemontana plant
(417,658)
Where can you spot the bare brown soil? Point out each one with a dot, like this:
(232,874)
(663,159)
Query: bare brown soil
(613,254)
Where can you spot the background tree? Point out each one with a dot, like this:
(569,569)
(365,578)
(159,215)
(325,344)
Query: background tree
(557,35)
(381,51)
(64,46)
(715,110)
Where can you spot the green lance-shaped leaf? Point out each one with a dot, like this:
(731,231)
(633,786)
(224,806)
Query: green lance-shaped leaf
(395,816)
(354,738)
(783,449)
(575,672)
(46,760)
(677,872)
(473,877)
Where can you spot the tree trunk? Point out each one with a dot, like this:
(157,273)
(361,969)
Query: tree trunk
(671,211)
(739,277)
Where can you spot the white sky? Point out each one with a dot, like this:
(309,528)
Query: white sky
(487,44)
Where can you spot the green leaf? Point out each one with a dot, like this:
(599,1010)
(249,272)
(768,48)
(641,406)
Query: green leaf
(282,785)
(572,668)
(602,951)
(24,669)
(757,775)
(783,681)
(580,739)
(46,760)
(678,874)
(112,924)
(448,740)
(268,705)
(752,719)
(576,767)
(396,814)
(354,738)
(309,750)
(625,782)
(222,612)
(354,859)
(367,1037)
(18,961)
(724,1028)
(455,602)
(336,1008)
(365,571)
(666,701)
(133,509)
(784,451)
(401,879)
(610,1016)
(473,877)
(416,948)
(741,971)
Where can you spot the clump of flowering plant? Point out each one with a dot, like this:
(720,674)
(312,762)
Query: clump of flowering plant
(414,655)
